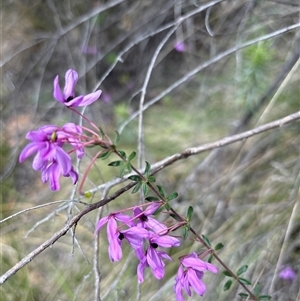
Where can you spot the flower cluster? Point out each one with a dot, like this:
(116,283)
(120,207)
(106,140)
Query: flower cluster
(146,235)
(48,141)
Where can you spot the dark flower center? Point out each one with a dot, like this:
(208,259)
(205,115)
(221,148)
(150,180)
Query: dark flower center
(154,245)
(69,98)
(144,218)
(121,236)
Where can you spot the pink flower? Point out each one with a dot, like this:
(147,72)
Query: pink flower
(52,173)
(67,97)
(287,274)
(180,47)
(50,158)
(148,222)
(133,235)
(153,258)
(190,274)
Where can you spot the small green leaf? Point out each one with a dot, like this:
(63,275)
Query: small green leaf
(123,169)
(145,189)
(161,191)
(167,206)
(206,240)
(135,178)
(184,232)
(115,163)
(101,131)
(243,295)
(227,285)
(244,281)
(172,196)
(128,166)
(242,270)
(226,273)
(147,168)
(210,258)
(257,289)
(219,246)
(131,156)
(104,155)
(137,187)
(189,213)
(117,138)
(152,199)
(122,153)
(151,179)
(264,297)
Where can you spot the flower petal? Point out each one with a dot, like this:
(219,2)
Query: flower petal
(90,98)
(198,285)
(57,94)
(30,149)
(71,78)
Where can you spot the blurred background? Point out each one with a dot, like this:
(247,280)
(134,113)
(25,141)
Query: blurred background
(202,87)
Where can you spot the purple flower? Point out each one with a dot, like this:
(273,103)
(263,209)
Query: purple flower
(180,47)
(153,258)
(287,274)
(67,97)
(47,148)
(133,235)
(190,274)
(148,222)
(50,158)
(52,173)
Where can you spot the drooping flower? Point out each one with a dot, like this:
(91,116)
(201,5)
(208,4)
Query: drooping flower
(47,148)
(153,258)
(190,274)
(67,97)
(133,235)
(287,274)
(52,173)
(50,158)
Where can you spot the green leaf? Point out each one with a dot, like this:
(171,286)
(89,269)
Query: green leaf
(227,285)
(243,295)
(244,281)
(115,163)
(101,131)
(257,289)
(137,187)
(172,196)
(152,198)
(135,178)
(128,166)
(264,297)
(219,246)
(131,156)
(189,213)
(117,138)
(147,168)
(161,191)
(226,273)
(151,179)
(122,153)
(145,189)
(184,232)
(242,270)
(206,240)
(210,258)
(167,206)
(123,169)
(104,155)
